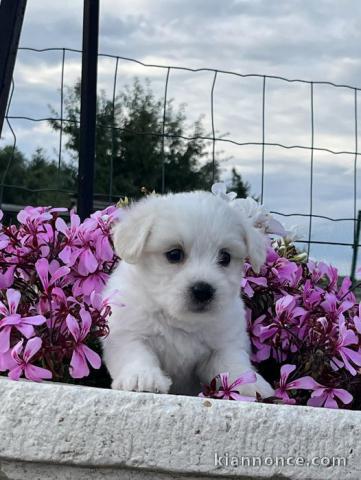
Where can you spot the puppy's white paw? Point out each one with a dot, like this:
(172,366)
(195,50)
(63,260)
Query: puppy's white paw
(261,386)
(143,379)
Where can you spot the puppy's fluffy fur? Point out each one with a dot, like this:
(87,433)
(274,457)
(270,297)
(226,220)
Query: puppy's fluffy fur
(163,339)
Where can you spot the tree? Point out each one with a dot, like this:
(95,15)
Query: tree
(12,170)
(238,185)
(129,154)
(37,181)
(129,145)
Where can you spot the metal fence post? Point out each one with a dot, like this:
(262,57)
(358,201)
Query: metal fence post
(355,247)
(11,20)
(88,108)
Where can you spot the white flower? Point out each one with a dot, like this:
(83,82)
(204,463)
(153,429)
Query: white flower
(257,213)
(259,216)
(294,233)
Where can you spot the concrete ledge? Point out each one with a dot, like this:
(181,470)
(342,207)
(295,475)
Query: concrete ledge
(54,431)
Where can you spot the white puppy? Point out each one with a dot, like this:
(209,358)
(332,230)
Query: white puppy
(183,321)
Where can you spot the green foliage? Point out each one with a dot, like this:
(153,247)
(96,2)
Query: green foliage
(37,181)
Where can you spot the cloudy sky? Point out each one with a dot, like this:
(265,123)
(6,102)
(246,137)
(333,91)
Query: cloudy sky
(298,39)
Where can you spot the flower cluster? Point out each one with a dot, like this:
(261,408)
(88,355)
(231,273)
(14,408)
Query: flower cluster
(304,320)
(51,275)
(305,328)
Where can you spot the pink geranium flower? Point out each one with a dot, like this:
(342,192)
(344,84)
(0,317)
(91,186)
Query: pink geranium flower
(263,350)
(70,233)
(42,268)
(285,271)
(34,215)
(22,359)
(334,308)
(286,313)
(326,397)
(227,390)
(346,338)
(248,283)
(86,285)
(82,354)
(87,260)
(11,320)
(303,383)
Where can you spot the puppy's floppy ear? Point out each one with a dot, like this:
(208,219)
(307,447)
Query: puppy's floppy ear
(256,246)
(131,233)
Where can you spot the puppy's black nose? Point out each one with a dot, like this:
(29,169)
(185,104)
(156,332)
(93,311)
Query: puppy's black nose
(202,292)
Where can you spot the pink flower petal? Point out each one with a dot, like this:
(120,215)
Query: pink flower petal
(92,357)
(74,220)
(87,262)
(330,402)
(86,322)
(346,362)
(61,272)
(6,361)
(13,298)
(317,401)
(42,269)
(264,353)
(103,248)
(357,322)
(61,226)
(286,370)
(352,355)
(343,395)
(246,377)
(36,374)
(16,351)
(15,373)
(5,339)
(73,327)
(65,255)
(34,320)
(304,383)
(318,392)
(224,378)
(349,338)
(26,330)
(31,348)
(79,367)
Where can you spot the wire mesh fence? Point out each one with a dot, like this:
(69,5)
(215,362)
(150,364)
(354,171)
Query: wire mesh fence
(59,192)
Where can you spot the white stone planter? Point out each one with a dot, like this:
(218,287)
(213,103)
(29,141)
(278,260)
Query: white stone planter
(53,431)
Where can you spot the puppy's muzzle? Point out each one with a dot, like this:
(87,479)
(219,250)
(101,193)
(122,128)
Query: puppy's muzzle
(202,293)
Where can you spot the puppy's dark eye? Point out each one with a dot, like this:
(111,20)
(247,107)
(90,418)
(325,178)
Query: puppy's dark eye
(175,256)
(224,258)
